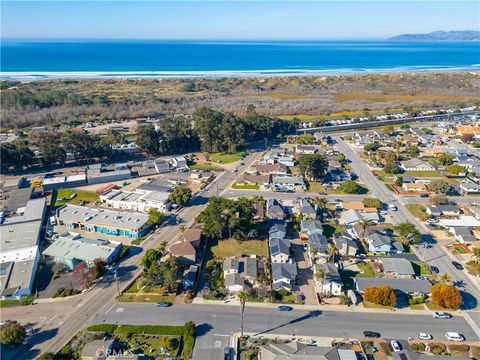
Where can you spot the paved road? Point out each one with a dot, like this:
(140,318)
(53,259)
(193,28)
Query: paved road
(436,255)
(56,326)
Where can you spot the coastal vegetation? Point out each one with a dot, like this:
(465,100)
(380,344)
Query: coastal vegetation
(72,102)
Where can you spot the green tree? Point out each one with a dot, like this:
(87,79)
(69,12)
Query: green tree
(388,129)
(439,186)
(412,150)
(350,187)
(151,258)
(391,167)
(313,166)
(446,296)
(148,139)
(408,232)
(456,169)
(49,146)
(439,200)
(99,268)
(155,217)
(372,147)
(46,356)
(372,203)
(399,180)
(12,333)
(446,159)
(180,195)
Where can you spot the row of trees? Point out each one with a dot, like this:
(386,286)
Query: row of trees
(164,273)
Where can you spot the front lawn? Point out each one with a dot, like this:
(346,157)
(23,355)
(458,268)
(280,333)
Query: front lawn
(246,186)
(366,269)
(224,158)
(418,210)
(205,167)
(418,174)
(72,196)
(421,268)
(232,247)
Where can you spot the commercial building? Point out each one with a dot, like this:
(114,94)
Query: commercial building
(71,248)
(97,174)
(19,244)
(103,221)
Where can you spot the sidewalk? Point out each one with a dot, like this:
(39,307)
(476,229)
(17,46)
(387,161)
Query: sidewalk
(344,308)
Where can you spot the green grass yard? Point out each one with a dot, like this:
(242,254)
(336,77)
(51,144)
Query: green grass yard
(204,167)
(367,269)
(232,247)
(418,174)
(66,196)
(245,186)
(224,158)
(417,210)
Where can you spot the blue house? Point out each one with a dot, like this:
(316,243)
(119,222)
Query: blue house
(379,244)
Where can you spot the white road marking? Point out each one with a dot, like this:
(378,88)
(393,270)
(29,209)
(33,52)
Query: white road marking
(227,335)
(110,308)
(218,344)
(120,310)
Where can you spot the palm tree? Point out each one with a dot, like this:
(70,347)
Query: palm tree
(242,297)
(476,253)
(332,251)
(364,225)
(182,228)
(445,278)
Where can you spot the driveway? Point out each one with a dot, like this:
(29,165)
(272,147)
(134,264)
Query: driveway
(305,273)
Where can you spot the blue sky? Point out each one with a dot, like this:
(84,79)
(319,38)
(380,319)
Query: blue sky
(233,20)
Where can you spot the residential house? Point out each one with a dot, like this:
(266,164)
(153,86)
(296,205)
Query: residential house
(382,244)
(351,217)
(345,244)
(179,163)
(97,349)
(411,287)
(277,230)
(271,169)
(305,149)
(309,227)
(299,351)
(193,236)
(462,234)
(254,179)
(184,252)
(284,275)
(357,205)
(470,188)
(259,211)
(279,250)
(289,182)
(332,283)
(70,249)
(414,187)
(415,165)
(318,245)
(240,272)
(412,355)
(305,208)
(475,211)
(398,267)
(445,210)
(275,210)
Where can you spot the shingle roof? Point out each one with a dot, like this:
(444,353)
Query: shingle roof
(404,285)
(284,270)
(399,266)
(279,246)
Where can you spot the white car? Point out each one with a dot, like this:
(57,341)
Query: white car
(441,315)
(395,345)
(454,336)
(425,336)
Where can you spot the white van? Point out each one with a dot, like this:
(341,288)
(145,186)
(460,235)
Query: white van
(392,207)
(454,336)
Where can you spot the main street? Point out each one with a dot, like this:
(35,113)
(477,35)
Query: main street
(56,327)
(436,255)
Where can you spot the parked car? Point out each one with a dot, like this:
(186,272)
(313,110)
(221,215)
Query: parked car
(441,315)
(227,353)
(392,207)
(454,336)
(285,308)
(395,345)
(424,195)
(457,265)
(425,336)
(434,269)
(372,334)
(163,304)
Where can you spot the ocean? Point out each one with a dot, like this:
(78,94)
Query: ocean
(43,59)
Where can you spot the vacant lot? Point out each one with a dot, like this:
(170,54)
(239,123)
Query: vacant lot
(418,210)
(232,247)
(225,158)
(408,98)
(72,196)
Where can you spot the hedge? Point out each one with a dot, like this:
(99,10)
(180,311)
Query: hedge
(150,329)
(108,328)
(418,347)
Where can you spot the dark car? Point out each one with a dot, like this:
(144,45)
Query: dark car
(457,265)
(227,353)
(285,308)
(163,304)
(434,269)
(424,195)
(371,334)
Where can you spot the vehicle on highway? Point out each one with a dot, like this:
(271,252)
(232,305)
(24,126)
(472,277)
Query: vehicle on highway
(454,336)
(457,265)
(441,315)
(395,345)
(163,304)
(392,207)
(424,195)
(285,308)
(434,269)
(371,334)
(425,336)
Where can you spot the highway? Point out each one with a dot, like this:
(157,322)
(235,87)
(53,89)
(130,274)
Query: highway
(436,255)
(55,328)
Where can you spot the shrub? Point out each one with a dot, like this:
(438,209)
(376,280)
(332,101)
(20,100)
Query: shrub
(12,333)
(382,295)
(437,348)
(418,347)
(459,348)
(27,300)
(108,328)
(417,300)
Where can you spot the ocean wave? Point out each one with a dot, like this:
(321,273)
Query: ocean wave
(45,75)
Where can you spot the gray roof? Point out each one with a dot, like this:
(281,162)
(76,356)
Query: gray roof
(378,239)
(279,246)
(331,273)
(404,285)
(320,242)
(352,216)
(234,279)
(460,230)
(412,163)
(245,266)
(411,355)
(273,206)
(299,351)
(306,207)
(293,180)
(344,238)
(73,246)
(399,266)
(18,275)
(309,225)
(102,217)
(277,228)
(284,270)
